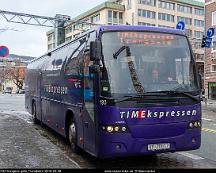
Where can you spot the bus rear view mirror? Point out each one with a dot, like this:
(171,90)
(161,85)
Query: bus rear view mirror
(95,50)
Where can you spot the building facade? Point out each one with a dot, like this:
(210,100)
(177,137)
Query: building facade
(210,53)
(161,13)
(12,71)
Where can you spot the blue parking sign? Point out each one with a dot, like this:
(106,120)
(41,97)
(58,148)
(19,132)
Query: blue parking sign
(180,25)
(210,32)
(208,42)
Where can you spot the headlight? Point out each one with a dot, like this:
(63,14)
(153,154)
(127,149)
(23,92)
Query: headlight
(118,128)
(110,129)
(191,125)
(195,124)
(124,129)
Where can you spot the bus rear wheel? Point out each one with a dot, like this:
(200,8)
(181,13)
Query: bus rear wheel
(72,137)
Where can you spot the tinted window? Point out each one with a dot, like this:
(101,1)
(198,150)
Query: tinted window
(74,62)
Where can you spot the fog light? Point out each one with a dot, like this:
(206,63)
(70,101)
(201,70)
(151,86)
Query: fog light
(193,140)
(191,125)
(118,147)
(195,124)
(110,129)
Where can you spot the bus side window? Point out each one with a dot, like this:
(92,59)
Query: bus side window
(59,59)
(74,64)
(48,64)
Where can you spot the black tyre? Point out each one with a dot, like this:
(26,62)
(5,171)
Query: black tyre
(72,137)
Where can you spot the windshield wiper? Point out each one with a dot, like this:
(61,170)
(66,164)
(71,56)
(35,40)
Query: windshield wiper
(118,100)
(134,77)
(129,97)
(117,53)
(179,92)
(157,93)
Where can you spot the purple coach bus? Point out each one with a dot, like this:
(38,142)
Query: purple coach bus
(116,91)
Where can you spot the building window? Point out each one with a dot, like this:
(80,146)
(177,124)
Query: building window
(213,44)
(115,17)
(200,58)
(198,23)
(212,90)
(145,24)
(213,68)
(184,9)
(164,26)
(214,18)
(50,46)
(120,17)
(129,5)
(68,38)
(68,30)
(199,12)
(146,13)
(109,16)
(186,20)
(139,12)
(95,18)
(147,2)
(50,37)
(198,34)
(166,5)
(188,32)
(197,45)
(166,17)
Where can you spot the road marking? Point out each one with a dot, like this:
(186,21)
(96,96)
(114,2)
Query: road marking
(78,166)
(208,130)
(191,156)
(206,119)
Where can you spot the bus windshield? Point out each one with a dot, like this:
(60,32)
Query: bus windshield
(156,62)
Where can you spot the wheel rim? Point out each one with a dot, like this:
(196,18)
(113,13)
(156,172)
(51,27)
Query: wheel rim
(72,133)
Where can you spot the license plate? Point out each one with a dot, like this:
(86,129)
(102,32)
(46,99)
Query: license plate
(155,147)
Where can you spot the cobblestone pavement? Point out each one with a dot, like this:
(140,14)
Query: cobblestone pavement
(209,110)
(21,146)
(26,145)
(167,160)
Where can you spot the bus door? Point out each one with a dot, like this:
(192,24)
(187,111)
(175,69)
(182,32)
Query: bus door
(38,93)
(89,107)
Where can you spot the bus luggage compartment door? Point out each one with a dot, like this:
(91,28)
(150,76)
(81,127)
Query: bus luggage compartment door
(89,112)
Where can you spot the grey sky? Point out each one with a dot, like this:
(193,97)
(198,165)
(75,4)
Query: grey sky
(31,40)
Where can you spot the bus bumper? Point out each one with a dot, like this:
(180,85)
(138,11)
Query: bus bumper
(120,145)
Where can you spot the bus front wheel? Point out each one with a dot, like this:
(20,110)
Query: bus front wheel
(72,136)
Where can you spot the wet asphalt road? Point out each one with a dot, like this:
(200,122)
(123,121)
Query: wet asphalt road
(26,145)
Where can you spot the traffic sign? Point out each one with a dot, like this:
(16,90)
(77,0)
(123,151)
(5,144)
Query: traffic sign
(180,25)
(210,32)
(208,42)
(4,51)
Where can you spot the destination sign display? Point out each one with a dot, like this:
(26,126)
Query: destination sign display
(145,38)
